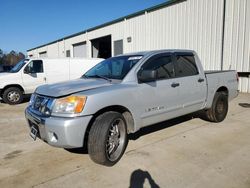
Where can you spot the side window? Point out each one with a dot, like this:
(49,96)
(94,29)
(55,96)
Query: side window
(35,66)
(185,66)
(163,65)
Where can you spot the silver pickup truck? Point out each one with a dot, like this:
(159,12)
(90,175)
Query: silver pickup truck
(122,94)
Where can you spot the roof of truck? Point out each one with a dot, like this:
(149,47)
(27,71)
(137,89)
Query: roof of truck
(143,53)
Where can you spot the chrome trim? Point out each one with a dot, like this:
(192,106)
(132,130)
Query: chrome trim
(41,105)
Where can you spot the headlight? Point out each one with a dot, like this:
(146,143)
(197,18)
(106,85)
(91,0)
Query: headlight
(69,105)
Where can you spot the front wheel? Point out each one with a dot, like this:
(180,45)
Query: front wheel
(13,95)
(219,109)
(107,139)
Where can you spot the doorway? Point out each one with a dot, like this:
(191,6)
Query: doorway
(101,47)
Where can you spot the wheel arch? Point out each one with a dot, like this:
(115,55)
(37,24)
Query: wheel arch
(116,108)
(223,89)
(211,95)
(11,85)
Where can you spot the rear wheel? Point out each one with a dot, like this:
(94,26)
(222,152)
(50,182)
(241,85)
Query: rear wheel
(13,95)
(107,139)
(219,109)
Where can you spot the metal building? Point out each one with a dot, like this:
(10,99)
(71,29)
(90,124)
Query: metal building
(219,30)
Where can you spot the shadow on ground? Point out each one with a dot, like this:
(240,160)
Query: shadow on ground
(244,105)
(138,178)
(143,131)
(159,126)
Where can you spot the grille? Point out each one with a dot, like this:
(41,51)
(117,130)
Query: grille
(42,105)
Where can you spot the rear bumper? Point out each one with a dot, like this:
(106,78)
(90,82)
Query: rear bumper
(57,131)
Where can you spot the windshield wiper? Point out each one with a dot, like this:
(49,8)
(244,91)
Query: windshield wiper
(98,76)
(84,76)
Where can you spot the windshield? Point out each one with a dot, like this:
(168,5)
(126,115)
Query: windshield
(19,65)
(113,68)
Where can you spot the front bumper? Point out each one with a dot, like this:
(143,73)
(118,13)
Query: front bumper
(69,131)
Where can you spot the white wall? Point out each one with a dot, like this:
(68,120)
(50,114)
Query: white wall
(237,39)
(191,24)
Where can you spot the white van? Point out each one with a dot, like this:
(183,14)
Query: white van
(31,73)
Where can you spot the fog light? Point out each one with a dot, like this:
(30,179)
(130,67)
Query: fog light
(53,137)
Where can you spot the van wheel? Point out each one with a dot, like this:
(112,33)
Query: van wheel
(107,139)
(13,95)
(219,109)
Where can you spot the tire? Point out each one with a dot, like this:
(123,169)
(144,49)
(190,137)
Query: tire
(107,139)
(12,96)
(218,112)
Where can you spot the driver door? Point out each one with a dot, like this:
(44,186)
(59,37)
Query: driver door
(33,75)
(159,99)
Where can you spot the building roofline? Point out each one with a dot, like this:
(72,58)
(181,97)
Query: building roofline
(151,9)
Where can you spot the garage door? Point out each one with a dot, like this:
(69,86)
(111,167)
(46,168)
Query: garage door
(80,50)
(118,47)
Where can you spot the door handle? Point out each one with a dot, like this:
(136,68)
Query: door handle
(44,78)
(175,85)
(201,80)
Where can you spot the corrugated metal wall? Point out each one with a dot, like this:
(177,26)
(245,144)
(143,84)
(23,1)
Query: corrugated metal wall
(237,39)
(190,24)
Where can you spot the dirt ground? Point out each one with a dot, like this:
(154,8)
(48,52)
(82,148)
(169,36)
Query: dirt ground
(185,152)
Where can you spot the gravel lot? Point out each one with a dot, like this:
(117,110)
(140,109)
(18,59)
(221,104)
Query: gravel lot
(185,152)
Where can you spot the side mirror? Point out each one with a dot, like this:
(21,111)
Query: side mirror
(28,70)
(147,76)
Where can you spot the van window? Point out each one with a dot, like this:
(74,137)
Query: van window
(35,66)
(185,66)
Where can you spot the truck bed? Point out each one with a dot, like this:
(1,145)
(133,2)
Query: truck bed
(217,79)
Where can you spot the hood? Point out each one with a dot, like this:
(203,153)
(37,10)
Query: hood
(9,78)
(69,87)
(5,74)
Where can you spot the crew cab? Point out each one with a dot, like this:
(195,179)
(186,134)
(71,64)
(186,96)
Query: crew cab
(122,94)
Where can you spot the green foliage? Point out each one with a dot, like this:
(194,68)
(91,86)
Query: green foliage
(1,55)
(11,58)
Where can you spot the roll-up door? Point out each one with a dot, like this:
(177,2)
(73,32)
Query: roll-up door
(80,50)
(118,47)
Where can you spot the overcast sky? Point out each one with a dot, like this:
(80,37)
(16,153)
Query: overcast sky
(29,23)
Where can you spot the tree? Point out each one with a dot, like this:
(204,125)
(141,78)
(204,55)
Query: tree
(1,56)
(21,56)
(1,53)
(11,58)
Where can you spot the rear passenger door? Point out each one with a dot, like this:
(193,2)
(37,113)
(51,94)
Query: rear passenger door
(192,84)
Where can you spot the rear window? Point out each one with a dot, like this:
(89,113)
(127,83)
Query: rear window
(185,66)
